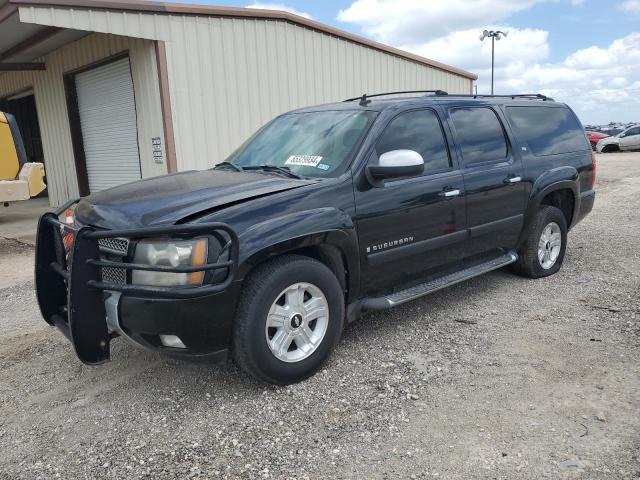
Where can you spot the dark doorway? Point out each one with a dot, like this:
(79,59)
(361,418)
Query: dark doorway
(23,107)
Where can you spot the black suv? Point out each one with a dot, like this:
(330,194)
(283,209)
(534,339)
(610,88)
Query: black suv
(325,213)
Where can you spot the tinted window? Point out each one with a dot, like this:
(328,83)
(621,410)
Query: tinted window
(547,130)
(419,131)
(632,131)
(480,135)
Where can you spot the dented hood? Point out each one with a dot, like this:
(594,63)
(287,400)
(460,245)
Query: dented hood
(172,198)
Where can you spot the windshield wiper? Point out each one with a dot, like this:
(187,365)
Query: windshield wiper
(273,168)
(237,168)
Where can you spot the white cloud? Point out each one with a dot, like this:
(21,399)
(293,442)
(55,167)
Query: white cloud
(602,83)
(630,6)
(410,22)
(464,48)
(279,6)
(588,57)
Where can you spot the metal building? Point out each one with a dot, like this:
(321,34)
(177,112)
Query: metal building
(111,91)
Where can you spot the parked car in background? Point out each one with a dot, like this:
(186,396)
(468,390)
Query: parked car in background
(594,137)
(611,131)
(628,139)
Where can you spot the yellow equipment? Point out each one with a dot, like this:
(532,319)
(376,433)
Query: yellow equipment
(19,180)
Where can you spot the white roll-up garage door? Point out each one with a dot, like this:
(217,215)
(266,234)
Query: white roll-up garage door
(108,123)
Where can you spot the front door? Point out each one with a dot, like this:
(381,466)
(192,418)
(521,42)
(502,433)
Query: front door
(411,227)
(493,174)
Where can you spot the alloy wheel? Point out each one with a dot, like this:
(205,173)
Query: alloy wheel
(549,245)
(297,322)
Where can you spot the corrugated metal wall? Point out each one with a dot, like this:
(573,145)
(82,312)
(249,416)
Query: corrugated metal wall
(51,104)
(227,76)
(244,72)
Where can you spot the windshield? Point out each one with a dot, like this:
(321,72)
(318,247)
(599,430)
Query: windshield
(311,144)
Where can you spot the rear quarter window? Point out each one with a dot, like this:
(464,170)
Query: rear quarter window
(547,130)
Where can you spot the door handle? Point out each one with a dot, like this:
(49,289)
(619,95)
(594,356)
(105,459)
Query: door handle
(450,193)
(512,179)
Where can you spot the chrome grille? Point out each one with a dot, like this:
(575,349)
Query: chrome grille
(114,249)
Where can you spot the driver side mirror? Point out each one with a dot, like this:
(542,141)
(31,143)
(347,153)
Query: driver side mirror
(395,164)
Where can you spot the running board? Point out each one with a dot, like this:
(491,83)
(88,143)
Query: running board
(403,296)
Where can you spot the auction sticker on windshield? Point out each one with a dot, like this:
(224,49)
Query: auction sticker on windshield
(303,160)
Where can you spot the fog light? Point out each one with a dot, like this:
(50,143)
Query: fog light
(171,341)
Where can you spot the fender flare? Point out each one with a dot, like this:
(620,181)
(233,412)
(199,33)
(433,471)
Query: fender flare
(328,227)
(556,179)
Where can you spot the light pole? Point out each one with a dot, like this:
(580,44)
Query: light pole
(495,35)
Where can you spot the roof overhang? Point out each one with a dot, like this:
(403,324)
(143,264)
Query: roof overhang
(9,16)
(22,43)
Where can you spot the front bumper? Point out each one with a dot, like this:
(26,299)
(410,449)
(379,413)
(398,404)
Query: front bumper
(203,324)
(74,296)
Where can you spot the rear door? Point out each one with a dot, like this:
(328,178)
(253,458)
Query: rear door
(494,192)
(411,227)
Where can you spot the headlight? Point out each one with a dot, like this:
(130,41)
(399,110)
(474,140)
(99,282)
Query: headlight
(170,253)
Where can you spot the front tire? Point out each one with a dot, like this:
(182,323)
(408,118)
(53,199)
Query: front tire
(543,250)
(289,318)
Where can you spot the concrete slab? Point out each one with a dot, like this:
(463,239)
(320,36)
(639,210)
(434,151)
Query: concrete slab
(18,221)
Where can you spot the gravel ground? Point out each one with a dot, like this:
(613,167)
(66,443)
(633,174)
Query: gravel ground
(498,377)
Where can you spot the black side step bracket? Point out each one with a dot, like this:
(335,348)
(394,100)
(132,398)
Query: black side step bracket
(403,296)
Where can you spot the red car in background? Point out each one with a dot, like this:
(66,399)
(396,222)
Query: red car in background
(595,137)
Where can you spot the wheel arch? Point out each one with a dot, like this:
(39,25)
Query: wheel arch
(559,188)
(326,235)
(565,200)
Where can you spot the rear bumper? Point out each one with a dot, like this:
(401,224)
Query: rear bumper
(73,295)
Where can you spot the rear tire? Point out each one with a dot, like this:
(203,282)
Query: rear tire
(290,316)
(540,254)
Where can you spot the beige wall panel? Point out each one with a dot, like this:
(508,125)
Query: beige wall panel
(246,71)
(53,116)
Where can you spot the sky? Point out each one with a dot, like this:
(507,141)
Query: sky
(582,52)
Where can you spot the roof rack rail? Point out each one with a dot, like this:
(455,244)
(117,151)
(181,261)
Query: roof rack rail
(364,99)
(535,96)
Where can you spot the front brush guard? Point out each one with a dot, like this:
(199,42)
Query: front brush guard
(71,293)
